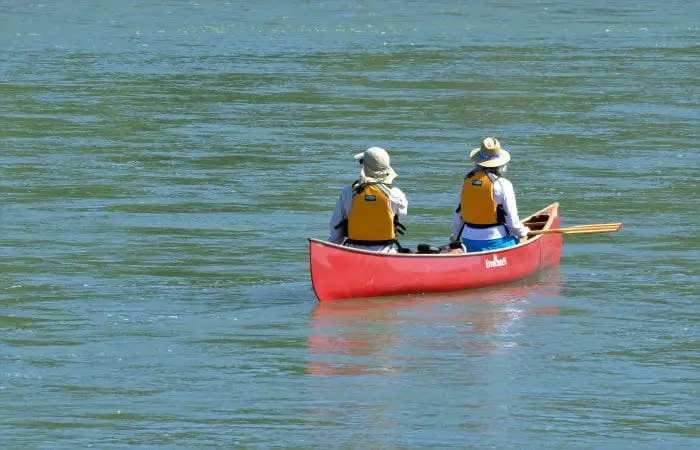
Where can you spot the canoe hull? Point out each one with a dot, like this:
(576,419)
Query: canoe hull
(339,272)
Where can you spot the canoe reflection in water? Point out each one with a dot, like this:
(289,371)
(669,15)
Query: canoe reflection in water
(395,335)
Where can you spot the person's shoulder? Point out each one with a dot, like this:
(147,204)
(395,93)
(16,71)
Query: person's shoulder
(506,187)
(395,190)
(346,191)
(505,182)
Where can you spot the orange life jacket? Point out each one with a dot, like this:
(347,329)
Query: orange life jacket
(371,221)
(477,205)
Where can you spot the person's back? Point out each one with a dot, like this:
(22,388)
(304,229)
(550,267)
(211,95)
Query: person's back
(486,217)
(367,212)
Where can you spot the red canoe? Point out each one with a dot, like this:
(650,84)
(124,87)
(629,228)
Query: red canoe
(339,272)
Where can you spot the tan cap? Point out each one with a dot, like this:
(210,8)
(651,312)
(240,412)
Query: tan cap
(376,166)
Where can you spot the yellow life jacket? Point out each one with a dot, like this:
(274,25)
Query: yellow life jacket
(371,220)
(478,206)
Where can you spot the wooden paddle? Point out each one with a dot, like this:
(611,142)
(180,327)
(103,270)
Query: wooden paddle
(582,229)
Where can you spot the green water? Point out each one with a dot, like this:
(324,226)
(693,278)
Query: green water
(162,164)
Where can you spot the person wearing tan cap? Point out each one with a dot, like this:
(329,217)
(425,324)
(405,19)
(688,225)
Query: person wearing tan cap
(367,212)
(486,217)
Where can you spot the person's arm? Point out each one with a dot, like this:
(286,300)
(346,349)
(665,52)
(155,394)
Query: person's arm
(515,226)
(336,235)
(399,202)
(457,222)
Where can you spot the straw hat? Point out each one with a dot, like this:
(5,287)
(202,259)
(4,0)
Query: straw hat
(490,154)
(375,166)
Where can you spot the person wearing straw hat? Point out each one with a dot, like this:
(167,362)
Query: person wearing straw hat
(486,217)
(367,212)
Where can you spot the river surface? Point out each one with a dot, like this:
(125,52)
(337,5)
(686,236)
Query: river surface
(162,165)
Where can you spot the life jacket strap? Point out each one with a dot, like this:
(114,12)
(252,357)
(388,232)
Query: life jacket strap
(398,226)
(482,225)
(358,187)
(342,225)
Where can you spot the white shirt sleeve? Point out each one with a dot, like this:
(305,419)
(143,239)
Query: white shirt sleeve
(399,203)
(342,207)
(513,223)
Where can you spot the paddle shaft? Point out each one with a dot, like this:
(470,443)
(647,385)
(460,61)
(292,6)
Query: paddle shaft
(616,225)
(560,231)
(582,229)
